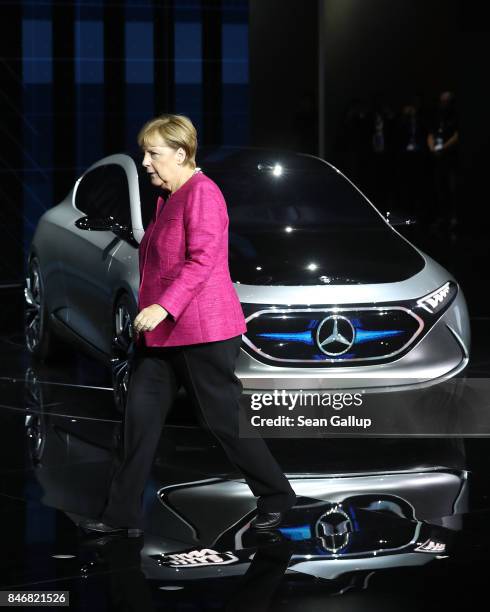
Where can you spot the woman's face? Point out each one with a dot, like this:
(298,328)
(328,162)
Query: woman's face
(162,163)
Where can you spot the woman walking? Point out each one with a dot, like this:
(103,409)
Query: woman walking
(189,329)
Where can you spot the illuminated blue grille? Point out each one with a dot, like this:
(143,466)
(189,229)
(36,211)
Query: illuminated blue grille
(305,336)
(301,532)
(308,338)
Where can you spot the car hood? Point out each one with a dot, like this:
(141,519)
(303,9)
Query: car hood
(319,256)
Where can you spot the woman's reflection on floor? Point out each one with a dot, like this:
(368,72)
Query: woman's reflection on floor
(129,589)
(257,586)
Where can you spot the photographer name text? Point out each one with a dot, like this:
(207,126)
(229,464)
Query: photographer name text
(336,421)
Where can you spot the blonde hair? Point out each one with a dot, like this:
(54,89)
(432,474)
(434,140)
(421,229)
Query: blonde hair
(176,130)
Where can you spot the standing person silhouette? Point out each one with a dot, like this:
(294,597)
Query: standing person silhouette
(189,328)
(442,140)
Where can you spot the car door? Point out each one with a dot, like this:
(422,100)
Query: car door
(102,192)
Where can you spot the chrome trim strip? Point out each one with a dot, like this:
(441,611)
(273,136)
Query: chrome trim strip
(332,310)
(162,495)
(438,469)
(460,341)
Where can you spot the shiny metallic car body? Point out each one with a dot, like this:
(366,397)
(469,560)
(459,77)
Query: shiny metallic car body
(315,289)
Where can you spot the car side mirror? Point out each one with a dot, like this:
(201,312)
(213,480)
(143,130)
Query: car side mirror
(107,224)
(398,218)
(101,224)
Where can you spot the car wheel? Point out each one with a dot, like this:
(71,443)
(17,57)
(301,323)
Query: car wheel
(35,419)
(39,338)
(122,349)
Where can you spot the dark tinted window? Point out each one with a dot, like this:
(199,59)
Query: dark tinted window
(104,192)
(287,189)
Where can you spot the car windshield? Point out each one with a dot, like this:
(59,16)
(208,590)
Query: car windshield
(284,189)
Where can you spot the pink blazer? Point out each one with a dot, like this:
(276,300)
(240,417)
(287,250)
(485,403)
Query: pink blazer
(183,261)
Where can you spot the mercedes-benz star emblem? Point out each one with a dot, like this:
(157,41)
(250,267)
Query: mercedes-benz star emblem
(335,335)
(333,529)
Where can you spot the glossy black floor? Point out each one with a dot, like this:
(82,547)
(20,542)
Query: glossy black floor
(379,524)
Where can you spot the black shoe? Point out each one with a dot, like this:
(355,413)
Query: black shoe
(91,525)
(268,536)
(267,520)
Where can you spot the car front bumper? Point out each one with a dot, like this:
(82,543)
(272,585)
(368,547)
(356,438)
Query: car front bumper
(439,355)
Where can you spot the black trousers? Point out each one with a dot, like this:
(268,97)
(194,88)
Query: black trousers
(207,372)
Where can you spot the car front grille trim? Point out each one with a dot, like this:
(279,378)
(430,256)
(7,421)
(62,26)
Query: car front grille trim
(262,355)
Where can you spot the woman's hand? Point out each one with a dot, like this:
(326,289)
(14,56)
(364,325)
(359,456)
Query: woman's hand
(148,318)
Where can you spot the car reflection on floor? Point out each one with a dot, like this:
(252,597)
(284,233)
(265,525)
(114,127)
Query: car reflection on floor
(198,513)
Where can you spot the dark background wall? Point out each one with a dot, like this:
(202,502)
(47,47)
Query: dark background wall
(284,74)
(11,219)
(78,80)
(376,48)
(474,94)
(389,48)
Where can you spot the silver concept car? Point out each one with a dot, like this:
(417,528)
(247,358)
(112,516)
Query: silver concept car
(330,289)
